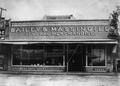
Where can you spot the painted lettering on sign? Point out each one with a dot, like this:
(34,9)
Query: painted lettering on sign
(82,30)
(2,32)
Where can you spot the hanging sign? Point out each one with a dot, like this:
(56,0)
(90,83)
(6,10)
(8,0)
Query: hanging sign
(2,31)
(1,24)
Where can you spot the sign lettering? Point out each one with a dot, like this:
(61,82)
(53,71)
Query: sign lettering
(61,30)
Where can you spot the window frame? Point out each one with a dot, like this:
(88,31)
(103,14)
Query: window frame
(21,47)
(97,47)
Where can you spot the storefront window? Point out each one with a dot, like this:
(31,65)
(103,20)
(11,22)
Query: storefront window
(96,55)
(38,55)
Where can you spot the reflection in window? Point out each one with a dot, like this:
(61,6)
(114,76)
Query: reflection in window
(96,56)
(38,54)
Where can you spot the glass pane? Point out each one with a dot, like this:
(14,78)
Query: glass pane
(38,54)
(16,55)
(96,56)
(54,54)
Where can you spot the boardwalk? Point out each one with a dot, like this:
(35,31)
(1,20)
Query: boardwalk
(58,80)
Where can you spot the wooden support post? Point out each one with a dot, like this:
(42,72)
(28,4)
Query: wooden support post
(86,56)
(67,59)
(67,66)
(21,47)
(63,54)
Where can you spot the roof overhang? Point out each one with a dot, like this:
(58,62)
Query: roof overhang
(95,41)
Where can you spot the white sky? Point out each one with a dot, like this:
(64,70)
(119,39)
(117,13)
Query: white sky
(36,9)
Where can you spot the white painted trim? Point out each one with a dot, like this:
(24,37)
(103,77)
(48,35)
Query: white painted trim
(35,66)
(95,66)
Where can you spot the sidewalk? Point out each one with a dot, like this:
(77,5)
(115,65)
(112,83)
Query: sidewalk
(59,73)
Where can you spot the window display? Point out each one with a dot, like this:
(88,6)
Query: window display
(96,56)
(38,55)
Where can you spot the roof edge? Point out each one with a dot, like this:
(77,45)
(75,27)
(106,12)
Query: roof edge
(62,20)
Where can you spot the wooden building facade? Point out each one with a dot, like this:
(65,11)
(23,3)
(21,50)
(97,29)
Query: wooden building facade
(58,45)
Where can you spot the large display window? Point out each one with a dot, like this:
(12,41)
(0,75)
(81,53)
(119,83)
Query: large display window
(38,55)
(96,55)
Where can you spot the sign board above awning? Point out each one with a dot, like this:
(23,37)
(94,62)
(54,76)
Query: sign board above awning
(65,30)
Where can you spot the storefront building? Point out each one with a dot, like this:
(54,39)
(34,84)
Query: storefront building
(61,45)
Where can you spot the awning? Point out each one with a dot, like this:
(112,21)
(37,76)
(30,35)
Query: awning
(70,42)
(19,43)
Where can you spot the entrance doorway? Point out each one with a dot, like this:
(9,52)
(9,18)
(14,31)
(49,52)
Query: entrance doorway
(76,57)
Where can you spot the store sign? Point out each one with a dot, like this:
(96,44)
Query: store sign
(2,31)
(60,31)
